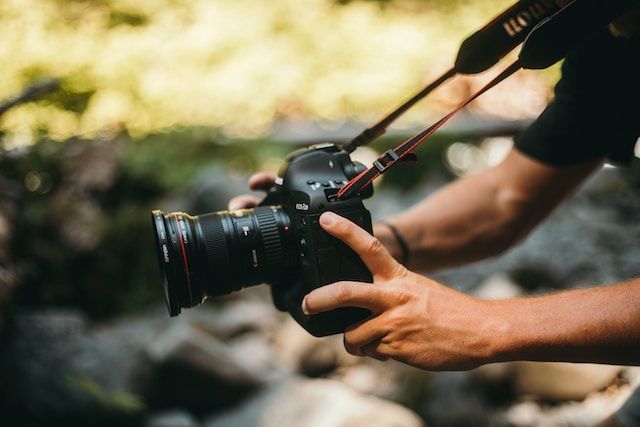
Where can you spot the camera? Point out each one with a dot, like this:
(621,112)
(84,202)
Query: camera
(279,242)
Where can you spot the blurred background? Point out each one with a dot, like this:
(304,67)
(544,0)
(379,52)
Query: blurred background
(110,108)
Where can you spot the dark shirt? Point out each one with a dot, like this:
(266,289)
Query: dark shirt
(596,109)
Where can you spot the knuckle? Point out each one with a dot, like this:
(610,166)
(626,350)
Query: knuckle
(396,321)
(373,246)
(397,295)
(343,292)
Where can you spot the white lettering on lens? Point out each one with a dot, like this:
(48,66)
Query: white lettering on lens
(254,255)
(183,232)
(165,252)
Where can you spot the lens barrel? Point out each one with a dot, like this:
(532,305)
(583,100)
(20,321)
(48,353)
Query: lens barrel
(219,252)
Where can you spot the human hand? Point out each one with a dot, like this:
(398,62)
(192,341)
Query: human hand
(260,181)
(414,320)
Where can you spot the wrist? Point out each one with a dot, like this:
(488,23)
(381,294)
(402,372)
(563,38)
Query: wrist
(388,240)
(497,331)
(400,241)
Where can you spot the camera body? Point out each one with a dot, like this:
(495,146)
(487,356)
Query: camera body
(279,242)
(307,185)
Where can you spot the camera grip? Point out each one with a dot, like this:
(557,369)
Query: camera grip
(330,260)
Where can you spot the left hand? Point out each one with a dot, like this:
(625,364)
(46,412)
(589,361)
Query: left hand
(414,320)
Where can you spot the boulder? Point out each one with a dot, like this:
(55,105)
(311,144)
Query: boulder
(300,351)
(562,381)
(315,403)
(55,368)
(196,371)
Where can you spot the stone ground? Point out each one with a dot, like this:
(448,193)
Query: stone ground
(242,363)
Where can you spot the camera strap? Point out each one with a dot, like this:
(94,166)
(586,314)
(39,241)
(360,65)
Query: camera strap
(478,52)
(392,156)
(547,43)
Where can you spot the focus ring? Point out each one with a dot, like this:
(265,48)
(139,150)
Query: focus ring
(215,244)
(270,237)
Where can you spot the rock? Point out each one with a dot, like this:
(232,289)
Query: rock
(175,418)
(451,401)
(588,413)
(304,353)
(498,286)
(318,360)
(242,316)
(194,370)
(387,380)
(255,353)
(562,381)
(311,403)
(53,367)
(43,379)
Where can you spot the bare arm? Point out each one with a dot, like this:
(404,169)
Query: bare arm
(484,214)
(600,325)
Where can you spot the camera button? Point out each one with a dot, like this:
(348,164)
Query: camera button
(304,247)
(326,184)
(311,182)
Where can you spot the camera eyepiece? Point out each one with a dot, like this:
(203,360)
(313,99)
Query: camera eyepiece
(218,253)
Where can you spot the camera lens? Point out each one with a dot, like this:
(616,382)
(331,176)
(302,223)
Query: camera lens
(219,252)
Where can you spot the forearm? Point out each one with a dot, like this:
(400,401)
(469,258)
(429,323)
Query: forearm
(598,325)
(484,214)
(463,222)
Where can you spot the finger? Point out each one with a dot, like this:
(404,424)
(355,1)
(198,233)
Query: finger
(374,349)
(359,335)
(371,251)
(344,294)
(261,181)
(244,201)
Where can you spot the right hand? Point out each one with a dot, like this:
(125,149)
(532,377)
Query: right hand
(260,181)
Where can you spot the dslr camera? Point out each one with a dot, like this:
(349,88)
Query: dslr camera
(279,242)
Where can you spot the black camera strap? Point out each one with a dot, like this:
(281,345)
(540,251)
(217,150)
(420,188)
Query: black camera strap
(391,157)
(478,52)
(548,42)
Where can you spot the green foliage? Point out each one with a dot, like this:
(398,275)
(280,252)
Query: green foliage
(150,67)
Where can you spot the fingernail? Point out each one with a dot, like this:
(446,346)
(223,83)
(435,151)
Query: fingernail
(305,309)
(328,218)
(233,206)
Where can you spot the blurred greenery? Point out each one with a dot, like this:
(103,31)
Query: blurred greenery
(147,67)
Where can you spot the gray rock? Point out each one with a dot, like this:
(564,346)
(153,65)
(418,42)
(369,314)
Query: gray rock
(318,360)
(54,368)
(175,418)
(310,403)
(243,316)
(194,370)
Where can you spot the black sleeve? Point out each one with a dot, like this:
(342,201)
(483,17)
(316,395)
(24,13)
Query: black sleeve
(596,109)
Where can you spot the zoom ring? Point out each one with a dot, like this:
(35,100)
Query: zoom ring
(270,237)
